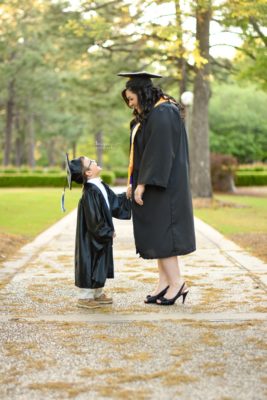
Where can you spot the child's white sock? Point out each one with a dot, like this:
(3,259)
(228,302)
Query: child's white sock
(98,292)
(87,294)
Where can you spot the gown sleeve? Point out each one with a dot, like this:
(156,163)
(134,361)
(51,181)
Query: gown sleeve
(163,130)
(95,221)
(120,206)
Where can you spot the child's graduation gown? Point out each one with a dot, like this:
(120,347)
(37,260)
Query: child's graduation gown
(94,235)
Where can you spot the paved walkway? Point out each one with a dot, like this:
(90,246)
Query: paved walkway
(213,347)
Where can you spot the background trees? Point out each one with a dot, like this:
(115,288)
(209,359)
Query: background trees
(250,17)
(238,123)
(60,92)
(31,78)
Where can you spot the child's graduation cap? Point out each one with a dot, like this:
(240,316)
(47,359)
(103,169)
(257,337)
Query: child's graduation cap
(74,174)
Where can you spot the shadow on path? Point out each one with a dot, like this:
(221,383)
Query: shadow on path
(212,347)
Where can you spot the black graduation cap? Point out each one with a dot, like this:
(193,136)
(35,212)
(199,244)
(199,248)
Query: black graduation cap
(74,174)
(140,74)
(74,170)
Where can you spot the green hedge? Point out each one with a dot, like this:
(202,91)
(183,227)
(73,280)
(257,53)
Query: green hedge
(30,171)
(8,171)
(44,180)
(242,178)
(28,180)
(248,178)
(252,169)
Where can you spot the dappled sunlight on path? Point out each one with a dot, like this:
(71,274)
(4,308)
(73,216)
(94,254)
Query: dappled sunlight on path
(51,349)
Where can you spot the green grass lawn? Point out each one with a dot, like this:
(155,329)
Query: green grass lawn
(244,221)
(28,212)
(249,216)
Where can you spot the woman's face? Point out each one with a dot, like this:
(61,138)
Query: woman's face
(133,100)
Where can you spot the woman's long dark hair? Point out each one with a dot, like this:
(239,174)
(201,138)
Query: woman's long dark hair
(148,95)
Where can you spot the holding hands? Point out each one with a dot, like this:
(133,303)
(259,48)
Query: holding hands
(138,193)
(129,192)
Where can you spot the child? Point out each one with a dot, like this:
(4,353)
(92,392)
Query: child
(95,231)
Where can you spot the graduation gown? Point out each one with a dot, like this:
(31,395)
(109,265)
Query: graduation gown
(94,235)
(163,226)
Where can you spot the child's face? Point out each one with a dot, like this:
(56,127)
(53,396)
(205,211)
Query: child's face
(93,170)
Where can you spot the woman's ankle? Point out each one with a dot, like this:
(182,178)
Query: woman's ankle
(177,283)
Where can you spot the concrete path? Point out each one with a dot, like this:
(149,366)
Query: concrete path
(213,347)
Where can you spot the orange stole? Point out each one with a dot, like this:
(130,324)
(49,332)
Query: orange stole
(135,129)
(131,159)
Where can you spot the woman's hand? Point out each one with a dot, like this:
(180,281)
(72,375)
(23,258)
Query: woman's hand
(138,194)
(129,192)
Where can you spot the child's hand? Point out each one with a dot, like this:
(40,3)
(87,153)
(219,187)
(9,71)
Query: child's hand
(129,192)
(114,234)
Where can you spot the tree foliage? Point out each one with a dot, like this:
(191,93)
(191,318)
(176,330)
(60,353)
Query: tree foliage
(34,60)
(250,17)
(58,74)
(58,66)
(238,122)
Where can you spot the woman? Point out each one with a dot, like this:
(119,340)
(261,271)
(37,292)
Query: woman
(159,184)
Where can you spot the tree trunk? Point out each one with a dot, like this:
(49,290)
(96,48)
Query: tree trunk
(18,152)
(99,147)
(199,140)
(9,122)
(31,141)
(51,153)
(74,149)
(19,141)
(183,80)
(181,61)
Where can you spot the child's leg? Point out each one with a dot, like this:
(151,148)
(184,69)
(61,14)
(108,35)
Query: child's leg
(98,292)
(101,297)
(87,294)
(87,299)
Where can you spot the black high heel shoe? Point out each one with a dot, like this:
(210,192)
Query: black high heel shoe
(170,302)
(153,299)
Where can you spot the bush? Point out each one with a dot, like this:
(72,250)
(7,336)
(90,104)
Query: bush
(38,171)
(108,177)
(253,167)
(248,178)
(223,169)
(53,170)
(8,171)
(121,173)
(258,169)
(45,180)
(25,170)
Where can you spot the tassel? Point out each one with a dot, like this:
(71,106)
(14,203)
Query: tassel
(63,200)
